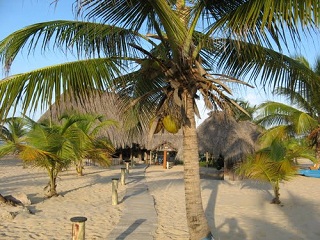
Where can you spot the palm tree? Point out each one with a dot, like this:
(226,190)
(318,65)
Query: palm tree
(88,144)
(275,161)
(162,54)
(302,116)
(248,115)
(12,135)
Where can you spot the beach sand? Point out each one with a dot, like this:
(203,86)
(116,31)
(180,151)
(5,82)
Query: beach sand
(89,196)
(238,210)
(235,209)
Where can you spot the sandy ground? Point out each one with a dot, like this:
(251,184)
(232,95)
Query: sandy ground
(235,209)
(89,196)
(238,210)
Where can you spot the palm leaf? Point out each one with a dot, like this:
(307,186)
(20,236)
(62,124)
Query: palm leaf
(85,38)
(42,86)
(255,21)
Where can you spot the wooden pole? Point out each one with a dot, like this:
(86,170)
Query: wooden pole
(78,228)
(207,159)
(165,159)
(115,191)
(123,173)
(127,166)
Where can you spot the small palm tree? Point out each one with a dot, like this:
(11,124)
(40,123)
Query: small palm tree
(89,144)
(12,134)
(275,161)
(302,115)
(50,147)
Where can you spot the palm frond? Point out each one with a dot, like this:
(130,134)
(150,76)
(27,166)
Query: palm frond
(40,87)
(255,21)
(272,68)
(84,39)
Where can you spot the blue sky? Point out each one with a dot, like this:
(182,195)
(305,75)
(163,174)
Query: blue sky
(16,14)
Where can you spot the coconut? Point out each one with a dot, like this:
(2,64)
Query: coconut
(171,124)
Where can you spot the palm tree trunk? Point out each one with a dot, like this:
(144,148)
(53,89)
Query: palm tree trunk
(276,190)
(52,183)
(197,222)
(79,167)
(318,148)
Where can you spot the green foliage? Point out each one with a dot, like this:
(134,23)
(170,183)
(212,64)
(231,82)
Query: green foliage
(12,135)
(161,55)
(301,117)
(275,161)
(55,146)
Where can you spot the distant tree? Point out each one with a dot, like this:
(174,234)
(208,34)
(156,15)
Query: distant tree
(54,146)
(247,113)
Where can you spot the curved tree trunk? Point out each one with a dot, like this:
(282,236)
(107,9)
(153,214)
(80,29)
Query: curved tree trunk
(197,222)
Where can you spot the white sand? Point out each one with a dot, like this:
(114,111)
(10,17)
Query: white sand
(235,210)
(238,210)
(88,196)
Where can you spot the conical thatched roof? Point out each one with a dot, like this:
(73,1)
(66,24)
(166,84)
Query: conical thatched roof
(106,104)
(222,134)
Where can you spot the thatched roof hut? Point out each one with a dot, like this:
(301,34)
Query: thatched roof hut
(106,104)
(221,134)
(174,140)
(109,105)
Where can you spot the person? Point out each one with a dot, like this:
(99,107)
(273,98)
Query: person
(315,166)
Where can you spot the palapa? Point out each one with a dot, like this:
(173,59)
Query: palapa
(110,105)
(107,104)
(221,134)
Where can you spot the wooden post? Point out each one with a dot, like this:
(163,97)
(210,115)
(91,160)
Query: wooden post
(78,228)
(165,159)
(127,166)
(207,159)
(115,191)
(123,173)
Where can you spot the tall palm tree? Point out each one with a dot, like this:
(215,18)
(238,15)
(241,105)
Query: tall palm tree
(163,54)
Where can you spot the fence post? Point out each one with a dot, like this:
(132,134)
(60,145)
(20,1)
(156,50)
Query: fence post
(115,191)
(123,173)
(127,166)
(78,228)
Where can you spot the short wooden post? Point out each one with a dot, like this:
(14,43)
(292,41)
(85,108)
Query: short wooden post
(207,159)
(123,173)
(127,166)
(78,228)
(115,191)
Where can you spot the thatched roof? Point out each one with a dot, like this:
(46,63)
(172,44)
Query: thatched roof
(106,104)
(109,105)
(222,134)
(175,140)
